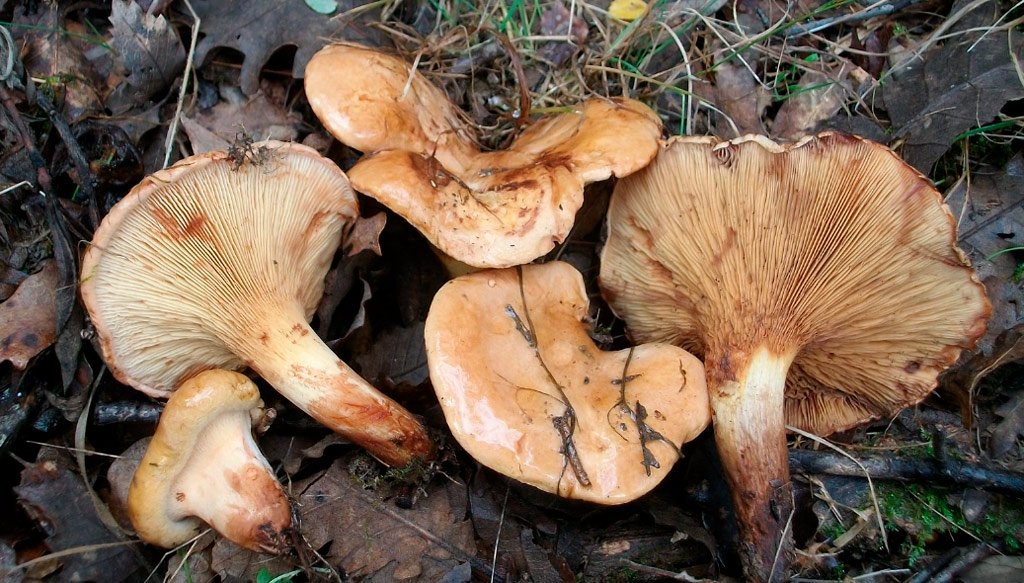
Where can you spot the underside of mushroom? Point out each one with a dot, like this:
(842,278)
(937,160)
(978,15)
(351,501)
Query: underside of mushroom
(220,262)
(821,282)
(527,393)
(203,465)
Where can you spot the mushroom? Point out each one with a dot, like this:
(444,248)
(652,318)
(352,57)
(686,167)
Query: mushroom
(219,262)
(527,393)
(203,465)
(820,281)
(486,209)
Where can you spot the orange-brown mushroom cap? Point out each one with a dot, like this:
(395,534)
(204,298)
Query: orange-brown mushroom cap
(527,393)
(203,465)
(830,260)
(486,209)
(220,263)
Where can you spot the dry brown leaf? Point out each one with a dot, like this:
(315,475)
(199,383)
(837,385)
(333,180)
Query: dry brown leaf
(995,569)
(365,234)
(740,98)
(258,28)
(369,535)
(119,476)
(52,55)
(1006,431)
(396,357)
(989,208)
(149,51)
(56,497)
(202,139)
(953,87)
(555,21)
(28,319)
(818,98)
(258,116)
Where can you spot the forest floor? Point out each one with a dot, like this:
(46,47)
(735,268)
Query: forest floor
(98,95)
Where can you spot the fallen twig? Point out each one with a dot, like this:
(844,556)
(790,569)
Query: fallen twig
(813,26)
(935,470)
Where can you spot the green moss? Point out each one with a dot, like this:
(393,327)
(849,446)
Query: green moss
(624,575)
(925,512)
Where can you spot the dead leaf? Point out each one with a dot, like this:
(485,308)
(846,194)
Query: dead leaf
(365,235)
(989,209)
(56,498)
(198,562)
(1006,431)
(28,319)
(555,20)
(9,573)
(949,89)
(369,535)
(871,50)
(237,564)
(259,27)
(258,116)
(961,383)
(995,569)
(740,99)
(202,139)
(396,357)
(119,476)
(149,50)
(818,97)
(52,56)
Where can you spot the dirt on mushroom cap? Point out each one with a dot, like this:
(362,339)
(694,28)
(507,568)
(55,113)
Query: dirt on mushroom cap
(527,393)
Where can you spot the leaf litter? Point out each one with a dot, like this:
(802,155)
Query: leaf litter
(942,83)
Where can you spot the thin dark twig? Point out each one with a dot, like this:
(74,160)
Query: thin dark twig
(940,471)
(566,423)
(813,26)
(28,141)
(645,432)
(85,177)
(117,412)
(967,559)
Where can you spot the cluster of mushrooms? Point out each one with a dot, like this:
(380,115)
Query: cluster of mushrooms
(819,283)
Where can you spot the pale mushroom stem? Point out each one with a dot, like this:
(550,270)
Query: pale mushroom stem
(747,399)
(293,359)
(229,485)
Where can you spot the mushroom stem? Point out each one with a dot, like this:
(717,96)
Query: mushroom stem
(230,486)
(747,399)
(293,359)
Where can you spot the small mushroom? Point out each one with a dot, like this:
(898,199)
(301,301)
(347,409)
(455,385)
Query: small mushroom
(820,281)
(527,393)
(203,465)
(219,262)
(486,209)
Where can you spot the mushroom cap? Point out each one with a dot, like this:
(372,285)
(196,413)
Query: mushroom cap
(486,209)
(197,251)
(500,397)
(389,108)
(203,456)
(831,248)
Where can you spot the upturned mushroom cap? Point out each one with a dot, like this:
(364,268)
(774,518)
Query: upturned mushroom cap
(830,260)
(204,466)
(486,209)
(527,393)
(220,263)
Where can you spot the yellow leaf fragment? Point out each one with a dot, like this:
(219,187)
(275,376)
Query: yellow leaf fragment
(628,10)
